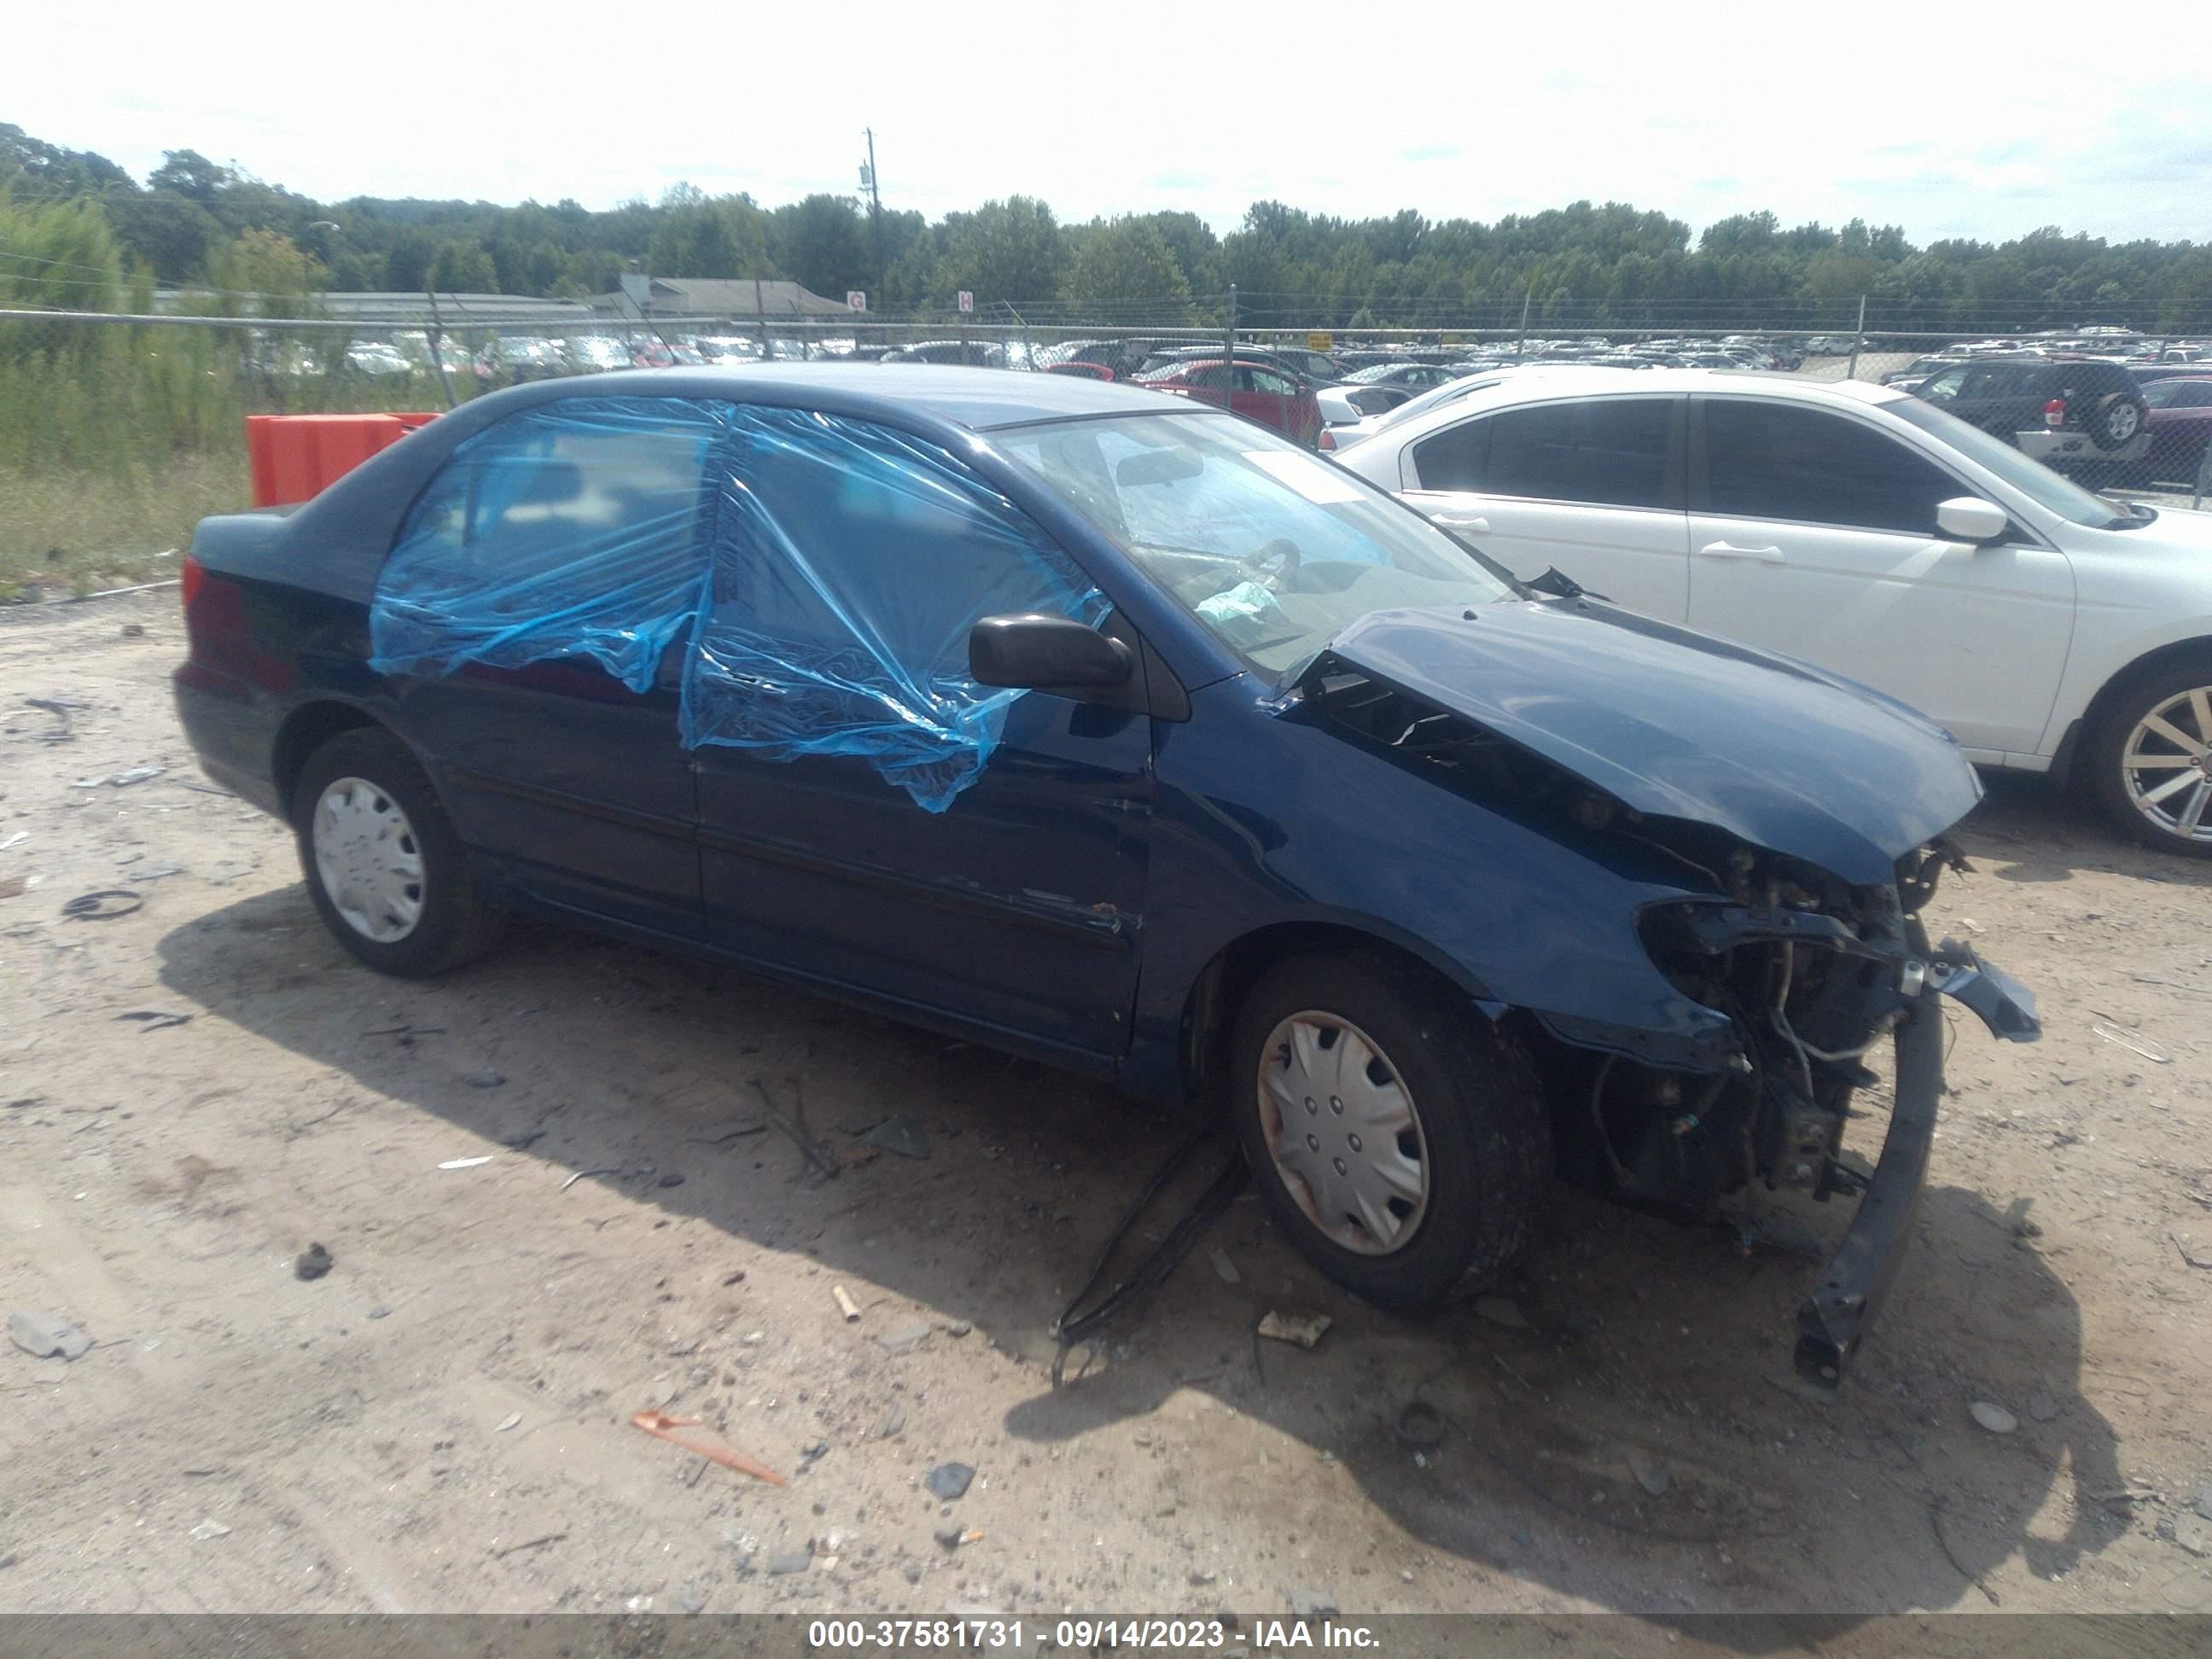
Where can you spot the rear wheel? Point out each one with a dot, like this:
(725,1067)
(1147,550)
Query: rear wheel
(387,873)
(1397,1137)
(2150,759)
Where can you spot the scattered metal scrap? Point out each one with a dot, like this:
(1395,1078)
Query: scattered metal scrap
(59,708)
(156,1019)
(103,905)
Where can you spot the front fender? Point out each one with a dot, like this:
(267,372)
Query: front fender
(1263,821)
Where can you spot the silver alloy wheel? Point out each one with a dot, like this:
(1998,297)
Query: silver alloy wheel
(369,860)
(1344,1132)
(2122,424)
(2166,766)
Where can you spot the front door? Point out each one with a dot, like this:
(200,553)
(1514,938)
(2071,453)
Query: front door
(1592,486)
(1813,533)
(870,817)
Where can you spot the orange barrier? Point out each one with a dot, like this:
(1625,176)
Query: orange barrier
(293,456)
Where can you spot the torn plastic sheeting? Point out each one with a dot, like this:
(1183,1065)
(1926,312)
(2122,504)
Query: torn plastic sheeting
(850,563)
(824,572)
(573,529)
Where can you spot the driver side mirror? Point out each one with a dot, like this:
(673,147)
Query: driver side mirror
(1032,652)
(1971,518)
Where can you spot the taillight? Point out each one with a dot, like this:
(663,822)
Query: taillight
(191,576)
(1328,440)
(2054,412)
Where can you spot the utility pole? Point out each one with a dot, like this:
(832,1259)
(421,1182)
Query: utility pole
(875,212)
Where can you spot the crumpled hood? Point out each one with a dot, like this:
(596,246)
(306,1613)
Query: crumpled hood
(1679,725)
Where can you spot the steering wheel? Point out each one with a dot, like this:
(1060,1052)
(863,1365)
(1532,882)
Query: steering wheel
(1282,552)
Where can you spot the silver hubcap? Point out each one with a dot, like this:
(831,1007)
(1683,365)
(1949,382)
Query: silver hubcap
(369,860)
(2167,764)
(1344,1132)
(2123,422)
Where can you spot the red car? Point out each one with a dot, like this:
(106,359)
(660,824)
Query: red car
(1255,391)
(2180,425)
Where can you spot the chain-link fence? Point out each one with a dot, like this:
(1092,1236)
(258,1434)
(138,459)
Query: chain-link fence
(118,433)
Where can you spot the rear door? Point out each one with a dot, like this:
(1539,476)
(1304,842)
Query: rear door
(1813,533)
(559,766)
(1274,401)
(1591,485)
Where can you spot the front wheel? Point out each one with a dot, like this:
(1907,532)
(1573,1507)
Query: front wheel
(388,874)
(2150,759)
(1397,1137)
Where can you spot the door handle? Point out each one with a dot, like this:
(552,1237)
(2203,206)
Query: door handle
(1453,521)
(1730,550)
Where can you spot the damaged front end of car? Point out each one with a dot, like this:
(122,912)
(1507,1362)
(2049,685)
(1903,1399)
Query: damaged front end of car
(1790,925)
(1816,976)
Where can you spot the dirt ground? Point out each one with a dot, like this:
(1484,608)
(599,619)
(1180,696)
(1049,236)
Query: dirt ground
(552,1202)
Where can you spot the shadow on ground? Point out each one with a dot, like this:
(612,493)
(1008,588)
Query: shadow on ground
(1637,1444)
(2028,829)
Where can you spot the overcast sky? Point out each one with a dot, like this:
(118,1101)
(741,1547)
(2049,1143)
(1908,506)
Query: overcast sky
(1961,118)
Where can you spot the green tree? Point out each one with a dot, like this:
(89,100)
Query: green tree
(725,238)
(32,170)
(265,265)
(1009,250)
(1126,260)
(823,244)
(187,172)
(170,233)
(407,260)
(463,267)
(65,258)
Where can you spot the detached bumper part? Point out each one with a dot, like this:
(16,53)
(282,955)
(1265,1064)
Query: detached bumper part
(1835,1318)
(2005,1006)
(1832,1321)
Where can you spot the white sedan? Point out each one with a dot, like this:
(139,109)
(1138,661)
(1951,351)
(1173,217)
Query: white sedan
(2050,629)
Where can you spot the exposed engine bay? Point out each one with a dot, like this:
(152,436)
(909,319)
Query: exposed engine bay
(1814,974)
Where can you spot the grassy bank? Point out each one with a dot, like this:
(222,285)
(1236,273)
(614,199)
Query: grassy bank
(69,531)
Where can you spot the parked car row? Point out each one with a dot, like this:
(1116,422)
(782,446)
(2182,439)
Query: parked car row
(1867,530)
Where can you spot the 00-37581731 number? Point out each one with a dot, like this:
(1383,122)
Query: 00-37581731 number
(833,1635)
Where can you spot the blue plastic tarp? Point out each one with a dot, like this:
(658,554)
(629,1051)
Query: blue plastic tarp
(820,574)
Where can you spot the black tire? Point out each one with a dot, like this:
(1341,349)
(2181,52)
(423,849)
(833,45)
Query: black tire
(1483,1133)
(454,926)
(2116,420)
(2104,750)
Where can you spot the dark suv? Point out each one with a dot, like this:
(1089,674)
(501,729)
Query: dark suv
(2064,411)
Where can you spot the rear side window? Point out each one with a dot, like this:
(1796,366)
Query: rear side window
(1457,458)
(1774,460)
(579,528)
(1609,452)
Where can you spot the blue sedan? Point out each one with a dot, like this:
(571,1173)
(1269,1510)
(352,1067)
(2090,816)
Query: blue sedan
(1113,730)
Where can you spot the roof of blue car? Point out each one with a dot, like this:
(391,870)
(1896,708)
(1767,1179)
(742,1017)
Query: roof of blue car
(978,399)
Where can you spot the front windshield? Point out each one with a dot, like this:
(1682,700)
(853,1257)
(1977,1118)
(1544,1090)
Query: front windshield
(1274,550)
(1368,376)
(2045,488)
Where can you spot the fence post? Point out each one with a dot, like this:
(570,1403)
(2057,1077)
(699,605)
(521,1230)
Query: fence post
(1521,344)
(760,310)
(1229,352)
(438,347)
(1858,342)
